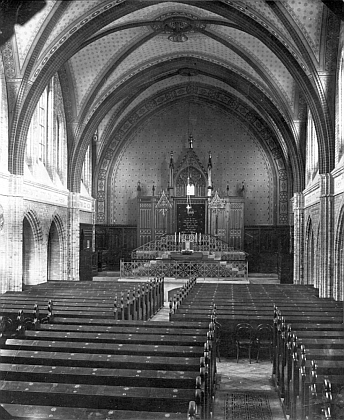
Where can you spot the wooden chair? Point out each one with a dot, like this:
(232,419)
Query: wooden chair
(264,339)
(244,339)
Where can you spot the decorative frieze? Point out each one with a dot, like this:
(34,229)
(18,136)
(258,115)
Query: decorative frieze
(45,194)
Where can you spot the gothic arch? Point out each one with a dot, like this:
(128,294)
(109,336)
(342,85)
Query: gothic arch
(310,254)
(71,42)
(57,251)
(338,286)
(212,97)
(33,253)
(317,258)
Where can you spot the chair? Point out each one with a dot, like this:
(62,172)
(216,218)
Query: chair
(264,339)
(244,339)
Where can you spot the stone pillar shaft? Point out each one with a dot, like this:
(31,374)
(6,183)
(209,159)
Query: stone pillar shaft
(326,236)
(298,208)
(15,233)
(73,236)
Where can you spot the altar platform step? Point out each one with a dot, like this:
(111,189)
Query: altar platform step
(263,278)
(253,278)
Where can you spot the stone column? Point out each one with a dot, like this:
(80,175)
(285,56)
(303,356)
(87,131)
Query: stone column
(14,230)
(325,264)
(73,236)
(298,208)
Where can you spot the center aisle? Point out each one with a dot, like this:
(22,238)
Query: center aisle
(251,386)
(241,379)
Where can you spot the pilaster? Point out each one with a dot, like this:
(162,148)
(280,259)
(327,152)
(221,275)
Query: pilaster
(326,236)
(15,233)
(73,236)
(298,209)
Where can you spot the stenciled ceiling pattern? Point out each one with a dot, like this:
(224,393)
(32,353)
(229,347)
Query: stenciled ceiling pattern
(119,53)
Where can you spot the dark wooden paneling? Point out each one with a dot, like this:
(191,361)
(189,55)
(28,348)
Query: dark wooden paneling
(269,250)
(87,258)
(114,242)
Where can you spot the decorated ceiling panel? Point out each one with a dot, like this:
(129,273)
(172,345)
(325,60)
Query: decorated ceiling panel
(75,11)
(307,14)
(25,34)
(177,80)
(129,68)
(197,46)
(272,67)
(262,9)
(155,11)
(88,65)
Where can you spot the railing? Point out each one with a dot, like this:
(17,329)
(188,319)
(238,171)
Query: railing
(172,243)
(183,269)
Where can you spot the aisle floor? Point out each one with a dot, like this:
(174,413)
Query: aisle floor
(233,377)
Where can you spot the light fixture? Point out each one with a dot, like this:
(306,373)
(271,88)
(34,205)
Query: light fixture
(190,190)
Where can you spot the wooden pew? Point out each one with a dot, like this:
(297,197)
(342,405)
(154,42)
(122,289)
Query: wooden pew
(293,355)
(37,412)
(130,304)
(168,362)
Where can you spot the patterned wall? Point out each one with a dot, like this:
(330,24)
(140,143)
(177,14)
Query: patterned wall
(236,154)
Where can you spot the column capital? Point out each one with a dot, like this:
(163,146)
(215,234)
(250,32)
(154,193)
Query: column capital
(326,184)
(298,201)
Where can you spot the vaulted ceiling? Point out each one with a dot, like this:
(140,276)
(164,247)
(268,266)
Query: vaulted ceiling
(275,57)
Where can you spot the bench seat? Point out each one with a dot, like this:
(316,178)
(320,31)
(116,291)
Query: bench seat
(40,412)
(98,376)
(96,396)
(105,348)
(99,360)
(120,338)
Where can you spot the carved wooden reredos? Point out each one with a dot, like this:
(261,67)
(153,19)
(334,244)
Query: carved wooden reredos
(190,169)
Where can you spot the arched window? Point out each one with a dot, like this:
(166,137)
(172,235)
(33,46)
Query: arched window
(340,120)
(87,170)
(312,151)
(46,145)
(42,110)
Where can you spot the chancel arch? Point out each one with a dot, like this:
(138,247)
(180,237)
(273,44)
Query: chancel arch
(176,137)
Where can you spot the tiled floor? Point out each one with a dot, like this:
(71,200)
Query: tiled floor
(243,376)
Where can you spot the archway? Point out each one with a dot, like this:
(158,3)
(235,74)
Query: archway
(54,263)
(338,292)
(310,255)
(30,255)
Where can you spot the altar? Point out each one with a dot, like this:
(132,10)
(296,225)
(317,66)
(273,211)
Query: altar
(189,231)
(209,257)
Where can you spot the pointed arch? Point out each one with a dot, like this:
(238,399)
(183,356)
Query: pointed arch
(317,258)
(33,257)
(309,254)
(338,287)
(56,250)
